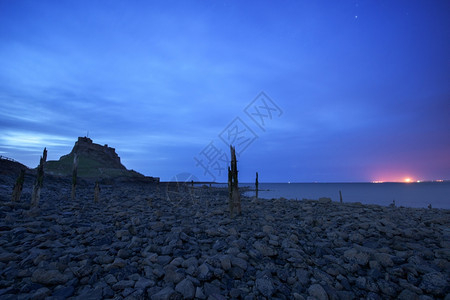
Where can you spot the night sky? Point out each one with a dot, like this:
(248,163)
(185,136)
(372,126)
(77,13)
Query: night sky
(328,91)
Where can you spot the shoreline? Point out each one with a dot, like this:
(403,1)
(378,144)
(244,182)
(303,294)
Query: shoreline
(143,241)
(417,195)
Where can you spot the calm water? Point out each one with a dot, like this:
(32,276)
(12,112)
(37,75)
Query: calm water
(404,194)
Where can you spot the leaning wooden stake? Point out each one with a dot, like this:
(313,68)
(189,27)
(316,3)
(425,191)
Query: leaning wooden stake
(74,176)
(256,186)
(35,197)
(235,199)
(17,191)
(96,192)
(340,196)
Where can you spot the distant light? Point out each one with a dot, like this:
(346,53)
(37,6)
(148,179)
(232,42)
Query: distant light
(356,17)
(377,181)
(407,180)
(418,181)
(289,182)
(439,180)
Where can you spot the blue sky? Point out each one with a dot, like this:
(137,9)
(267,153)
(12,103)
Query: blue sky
(361,87)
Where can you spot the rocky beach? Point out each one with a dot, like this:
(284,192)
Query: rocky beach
(159,241)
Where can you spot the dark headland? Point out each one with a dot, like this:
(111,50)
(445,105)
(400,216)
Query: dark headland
(146,239)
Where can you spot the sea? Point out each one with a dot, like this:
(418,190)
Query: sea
(415,194)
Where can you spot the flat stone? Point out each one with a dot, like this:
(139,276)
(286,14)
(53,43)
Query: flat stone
(48,277)
(124,253)
(239,262)
(211,289)
(172,274)
(41,293)
(144,283)
(110,279)
(204,272)
(265,286)
(324,200)
(384,259)
(435,283)
(7,257)
(105,259)
(407,295)
(199,293)
(119,263)
(362,258)
(190,262)
(264,249)
(186,288)
(225,262)
(90,294)
(317,291)
(64,292)
(267,229)
(121,285)
(166,293)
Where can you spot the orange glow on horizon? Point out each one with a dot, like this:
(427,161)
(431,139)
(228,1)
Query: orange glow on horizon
(395,178)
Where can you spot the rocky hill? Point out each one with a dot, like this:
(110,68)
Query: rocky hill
(94,161)
(9,166)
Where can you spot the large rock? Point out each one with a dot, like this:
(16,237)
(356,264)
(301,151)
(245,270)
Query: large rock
(7,257)
(121,285)
(317,291)
(186,288)
(265,286)
(166,293)
(143,283)
(49,277)
(324,200)
(172,274)
(264,249)
(384,259)
(435,283)
(225,262)
(204,272)
(239,262)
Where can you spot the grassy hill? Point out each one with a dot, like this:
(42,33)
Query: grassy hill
(94,161)
(87,167)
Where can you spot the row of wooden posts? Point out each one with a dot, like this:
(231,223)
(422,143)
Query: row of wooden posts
(18,186)
(36,195)
(233,185)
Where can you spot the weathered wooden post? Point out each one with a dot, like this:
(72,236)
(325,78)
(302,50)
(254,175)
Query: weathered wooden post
(35,197)
(230,190)
(74,175)
(340,196)
(256,186)
(96,192)
(17,191)
(235,196)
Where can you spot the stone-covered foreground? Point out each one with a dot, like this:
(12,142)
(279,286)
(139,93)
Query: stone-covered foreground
(137,243)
